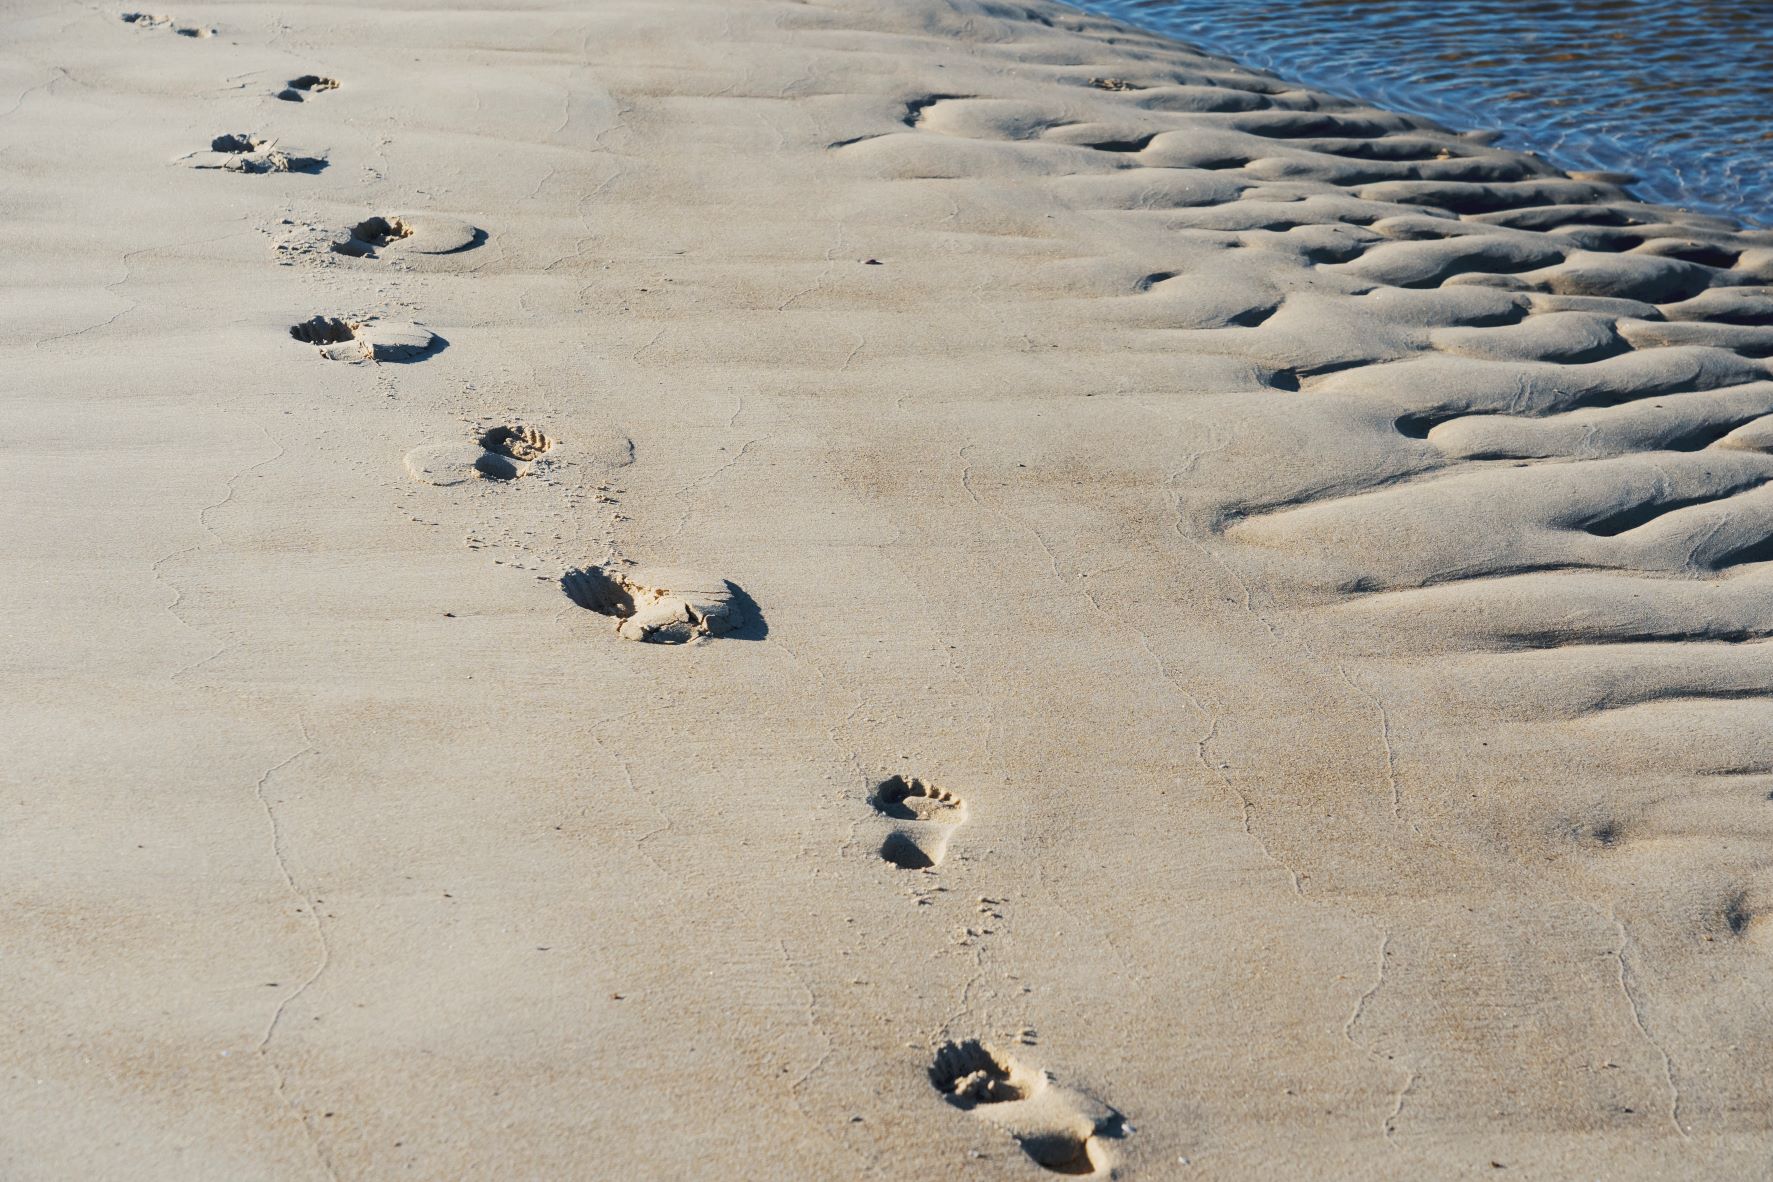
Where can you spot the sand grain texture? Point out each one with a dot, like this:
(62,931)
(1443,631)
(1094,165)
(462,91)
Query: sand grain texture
(1322,560)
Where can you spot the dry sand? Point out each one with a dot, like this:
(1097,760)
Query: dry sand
(1222,632)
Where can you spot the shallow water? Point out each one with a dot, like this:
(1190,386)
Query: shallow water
(1676,92)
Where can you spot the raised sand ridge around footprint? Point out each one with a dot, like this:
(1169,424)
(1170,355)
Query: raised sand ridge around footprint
(657,605)
(339,339)
(248,152)
(406,233)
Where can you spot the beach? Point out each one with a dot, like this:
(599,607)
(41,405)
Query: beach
(845,589)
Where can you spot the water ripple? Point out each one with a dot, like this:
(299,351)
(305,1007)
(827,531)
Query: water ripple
(1676,92)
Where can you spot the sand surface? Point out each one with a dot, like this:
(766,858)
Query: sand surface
(1217,634)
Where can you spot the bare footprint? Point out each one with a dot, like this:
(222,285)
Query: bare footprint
(246,152)
(920,818)
(501,453)
(1061,1129)
(367,340)
(149,20)
(660,606)
(299,89)
(410,233)
(516,441)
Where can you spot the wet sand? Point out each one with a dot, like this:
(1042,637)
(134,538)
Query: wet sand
(808,590)
(1672,93)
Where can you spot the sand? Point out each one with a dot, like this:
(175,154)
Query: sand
(1209,632)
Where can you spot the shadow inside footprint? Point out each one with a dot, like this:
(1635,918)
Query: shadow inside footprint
(902,850)
(379,231)
(1050,1123)
(253,154)
(1059,1152)
(664,606)
(906,798)
(969,1073)
(414,234)
(510,451)
(299,88)
(322,330)
(370,340)
(494,466)
(516,441)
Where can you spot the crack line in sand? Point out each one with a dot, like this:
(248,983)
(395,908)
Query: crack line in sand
(678,880)
(597,145)
(1637,1018)
(794,1085)
(861,343)
(706,478)
(665,822)
(1384,739)
(825,272)
(1193,702)
(1388,1127)
(1361,1004)
(1398,1108)
(635,356)
(847,755)
(1246,810)
(30,90)
(127,261)
(312,909)
(1247,806)
(203,521)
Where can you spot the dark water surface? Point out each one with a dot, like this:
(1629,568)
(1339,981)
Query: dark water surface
(1676,92)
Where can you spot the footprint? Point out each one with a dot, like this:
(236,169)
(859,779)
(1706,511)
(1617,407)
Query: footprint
(1061,1129)
(920,819)
(149,20)
(299,88)
(417,234)
(368,340)
(516,442)
(660,606)
(501,453)
(249,153)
